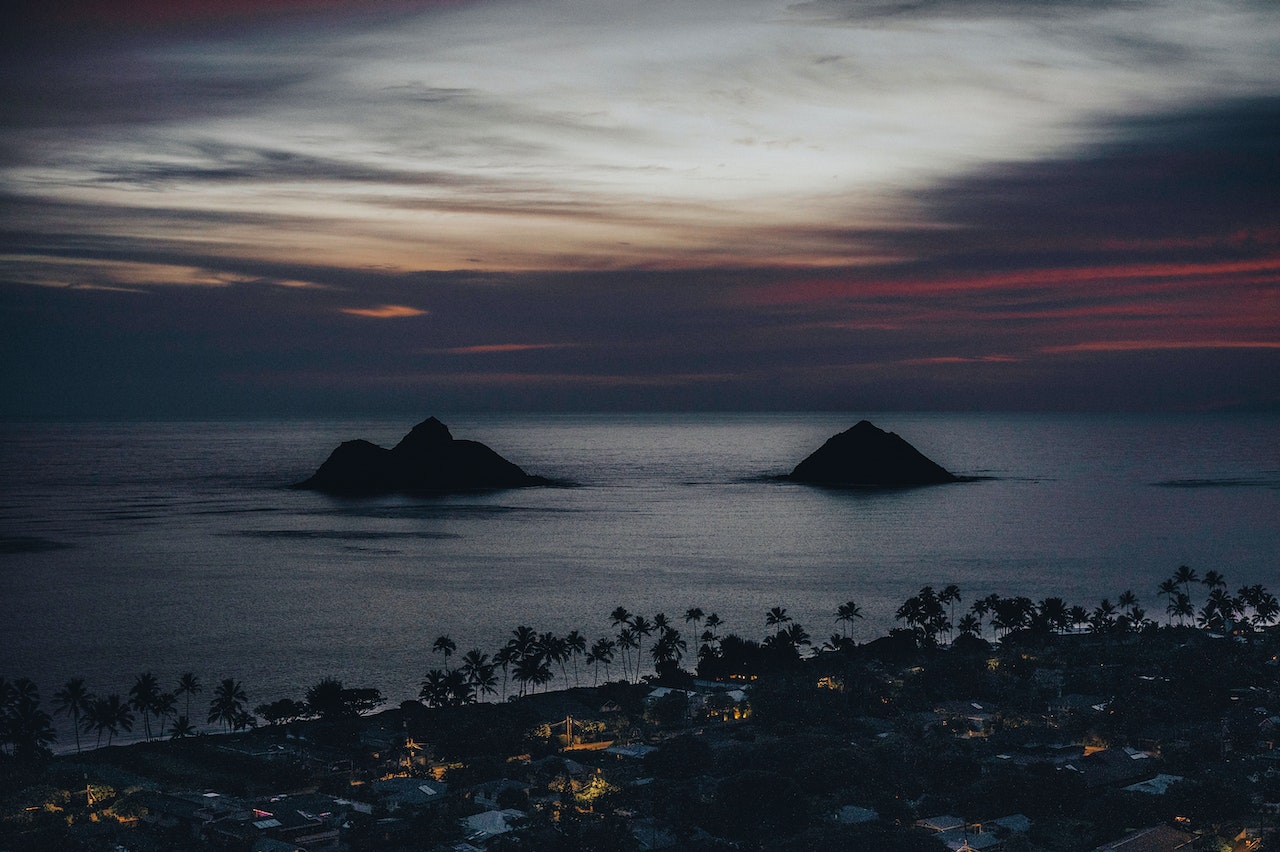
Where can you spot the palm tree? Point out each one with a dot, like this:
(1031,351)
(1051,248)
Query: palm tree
(601,653)
(669,649)
(1054,612)
(626,641)
(620,616)
(479,672)
(188,685)
(577,646)
(1182,607)
(776,617)
(434,691)
(109,715)
(28,727)
(1266,609)
(1103,617)
(182,727)
(796,635)
(165,706)
(1136,618)
(228,702)
(1214,580)
(142,697)
(554,649)
(643,628)
(712,621)
(845,614)
(1184,577)
(950,595)
(244,720)
(693,615)
(73,700)
(446,646)
(522,645)
(970,625)
(1168,589)
(504,657)
(660,623)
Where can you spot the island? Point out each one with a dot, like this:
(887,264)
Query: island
(866,456)
(427,460)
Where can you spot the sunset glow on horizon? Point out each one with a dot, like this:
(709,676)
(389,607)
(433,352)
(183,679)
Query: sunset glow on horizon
(776,198)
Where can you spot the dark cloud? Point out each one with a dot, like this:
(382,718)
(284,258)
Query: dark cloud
(1196,184)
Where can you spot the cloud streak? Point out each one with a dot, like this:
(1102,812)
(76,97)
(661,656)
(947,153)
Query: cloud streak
(697,204)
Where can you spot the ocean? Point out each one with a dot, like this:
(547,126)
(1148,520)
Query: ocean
(173,547)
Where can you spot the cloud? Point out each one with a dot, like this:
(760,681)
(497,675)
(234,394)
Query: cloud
(1145,345)
(385,312)
(721,204)
(501,348)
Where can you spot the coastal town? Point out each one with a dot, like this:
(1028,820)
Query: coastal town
(1017,726)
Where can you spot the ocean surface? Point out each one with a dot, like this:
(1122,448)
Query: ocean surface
(175,547)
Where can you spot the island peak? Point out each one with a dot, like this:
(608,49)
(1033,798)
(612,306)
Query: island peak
(427,460)
(867,456)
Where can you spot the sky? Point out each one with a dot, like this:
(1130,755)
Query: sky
(310,207)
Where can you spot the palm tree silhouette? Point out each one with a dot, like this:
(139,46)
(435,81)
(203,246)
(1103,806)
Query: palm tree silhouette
(776,617)
(165,705)
(845,614)
(181,728)
(602,654)
(1185,576)
(109,715)
(228,702)
(188,685)
(626,641)
(642,628)
(142,697)
(74,700)
(1168,589)
(27,727)
(577,645)
(446,646)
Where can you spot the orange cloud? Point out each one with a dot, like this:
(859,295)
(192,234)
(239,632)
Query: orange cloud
(384,312)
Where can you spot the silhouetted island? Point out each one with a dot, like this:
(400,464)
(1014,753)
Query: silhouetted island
(866,456)
(427,460)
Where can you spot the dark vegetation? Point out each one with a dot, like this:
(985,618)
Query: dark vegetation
(1007,707)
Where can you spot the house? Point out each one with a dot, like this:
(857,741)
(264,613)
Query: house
(399,793)
(1113,767)
(854,815)
(961,840)
(169,811)
(1160,838)
(486,795)
(946,822)
(484,826)
(270,844)
(966,718)
(636,751)
(1157,786)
